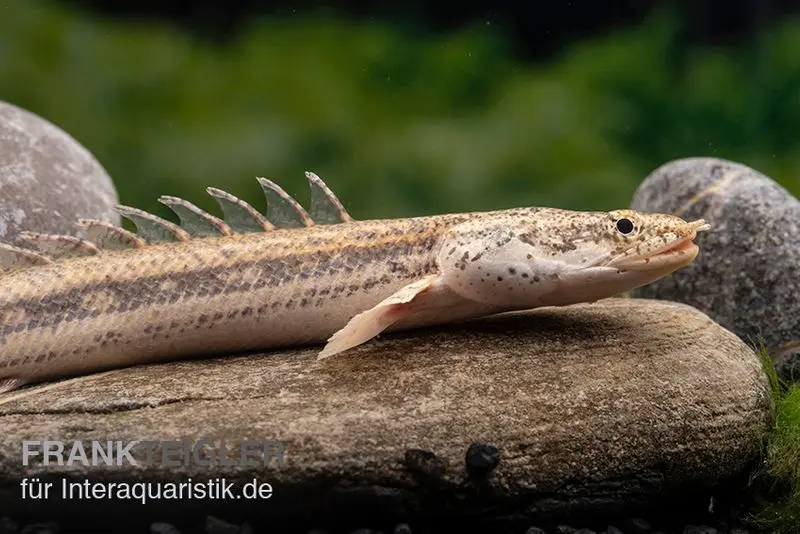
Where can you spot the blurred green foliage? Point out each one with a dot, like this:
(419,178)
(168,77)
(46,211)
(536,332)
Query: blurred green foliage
(777,478)
(399,123)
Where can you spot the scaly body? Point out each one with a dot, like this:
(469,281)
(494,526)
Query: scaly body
(219,294)
(102,309)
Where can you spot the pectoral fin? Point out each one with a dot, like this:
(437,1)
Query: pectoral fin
(428,301)
(368,324)
(10,384)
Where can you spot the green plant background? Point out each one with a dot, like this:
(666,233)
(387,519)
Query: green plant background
(398,122)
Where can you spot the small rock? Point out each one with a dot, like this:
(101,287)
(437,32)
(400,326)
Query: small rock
(218,526)
(163,528)
(481,459)
(702,529)
(566,529)
(41,528)
(7,526)
(402,528)
(636,525)
(747,275)
(47,179)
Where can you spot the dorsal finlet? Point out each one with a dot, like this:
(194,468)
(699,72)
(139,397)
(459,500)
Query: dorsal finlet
(325,208)
(151,227)
(282,210)
(239,215)
(109,236)
(12,258)
(194,220)
(57,246)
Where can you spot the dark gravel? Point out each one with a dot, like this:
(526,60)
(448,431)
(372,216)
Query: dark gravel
(214,525)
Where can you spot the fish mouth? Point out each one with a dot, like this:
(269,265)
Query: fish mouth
(674,255)
(678,254)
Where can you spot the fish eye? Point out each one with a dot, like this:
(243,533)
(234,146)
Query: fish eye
(625,226)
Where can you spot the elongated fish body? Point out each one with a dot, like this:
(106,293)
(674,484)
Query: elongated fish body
(70,306)
(218,294)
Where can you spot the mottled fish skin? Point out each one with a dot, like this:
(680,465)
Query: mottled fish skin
(343,281)
(205,296)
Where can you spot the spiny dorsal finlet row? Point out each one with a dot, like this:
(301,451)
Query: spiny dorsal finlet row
(238,217)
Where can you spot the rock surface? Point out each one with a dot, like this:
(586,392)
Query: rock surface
(747,276)
(47,179)
(590,407)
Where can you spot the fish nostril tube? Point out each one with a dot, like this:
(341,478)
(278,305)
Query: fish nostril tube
(700,225)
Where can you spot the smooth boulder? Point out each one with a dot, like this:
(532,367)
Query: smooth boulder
(596,407)
(747,276)
(47,179)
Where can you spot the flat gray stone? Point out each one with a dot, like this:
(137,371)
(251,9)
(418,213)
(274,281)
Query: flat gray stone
(589,407)
(47,179)
(747,276)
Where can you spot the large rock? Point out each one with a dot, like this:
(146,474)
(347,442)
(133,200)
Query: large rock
(747,276)
(47,179)
(590,407)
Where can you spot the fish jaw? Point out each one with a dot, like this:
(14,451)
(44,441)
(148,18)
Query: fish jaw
(671,251)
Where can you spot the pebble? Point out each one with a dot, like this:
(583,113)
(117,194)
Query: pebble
(163,528)
(7,526)
(636,525)
(481,459)
(218,526)
(702,529)
(49,527)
